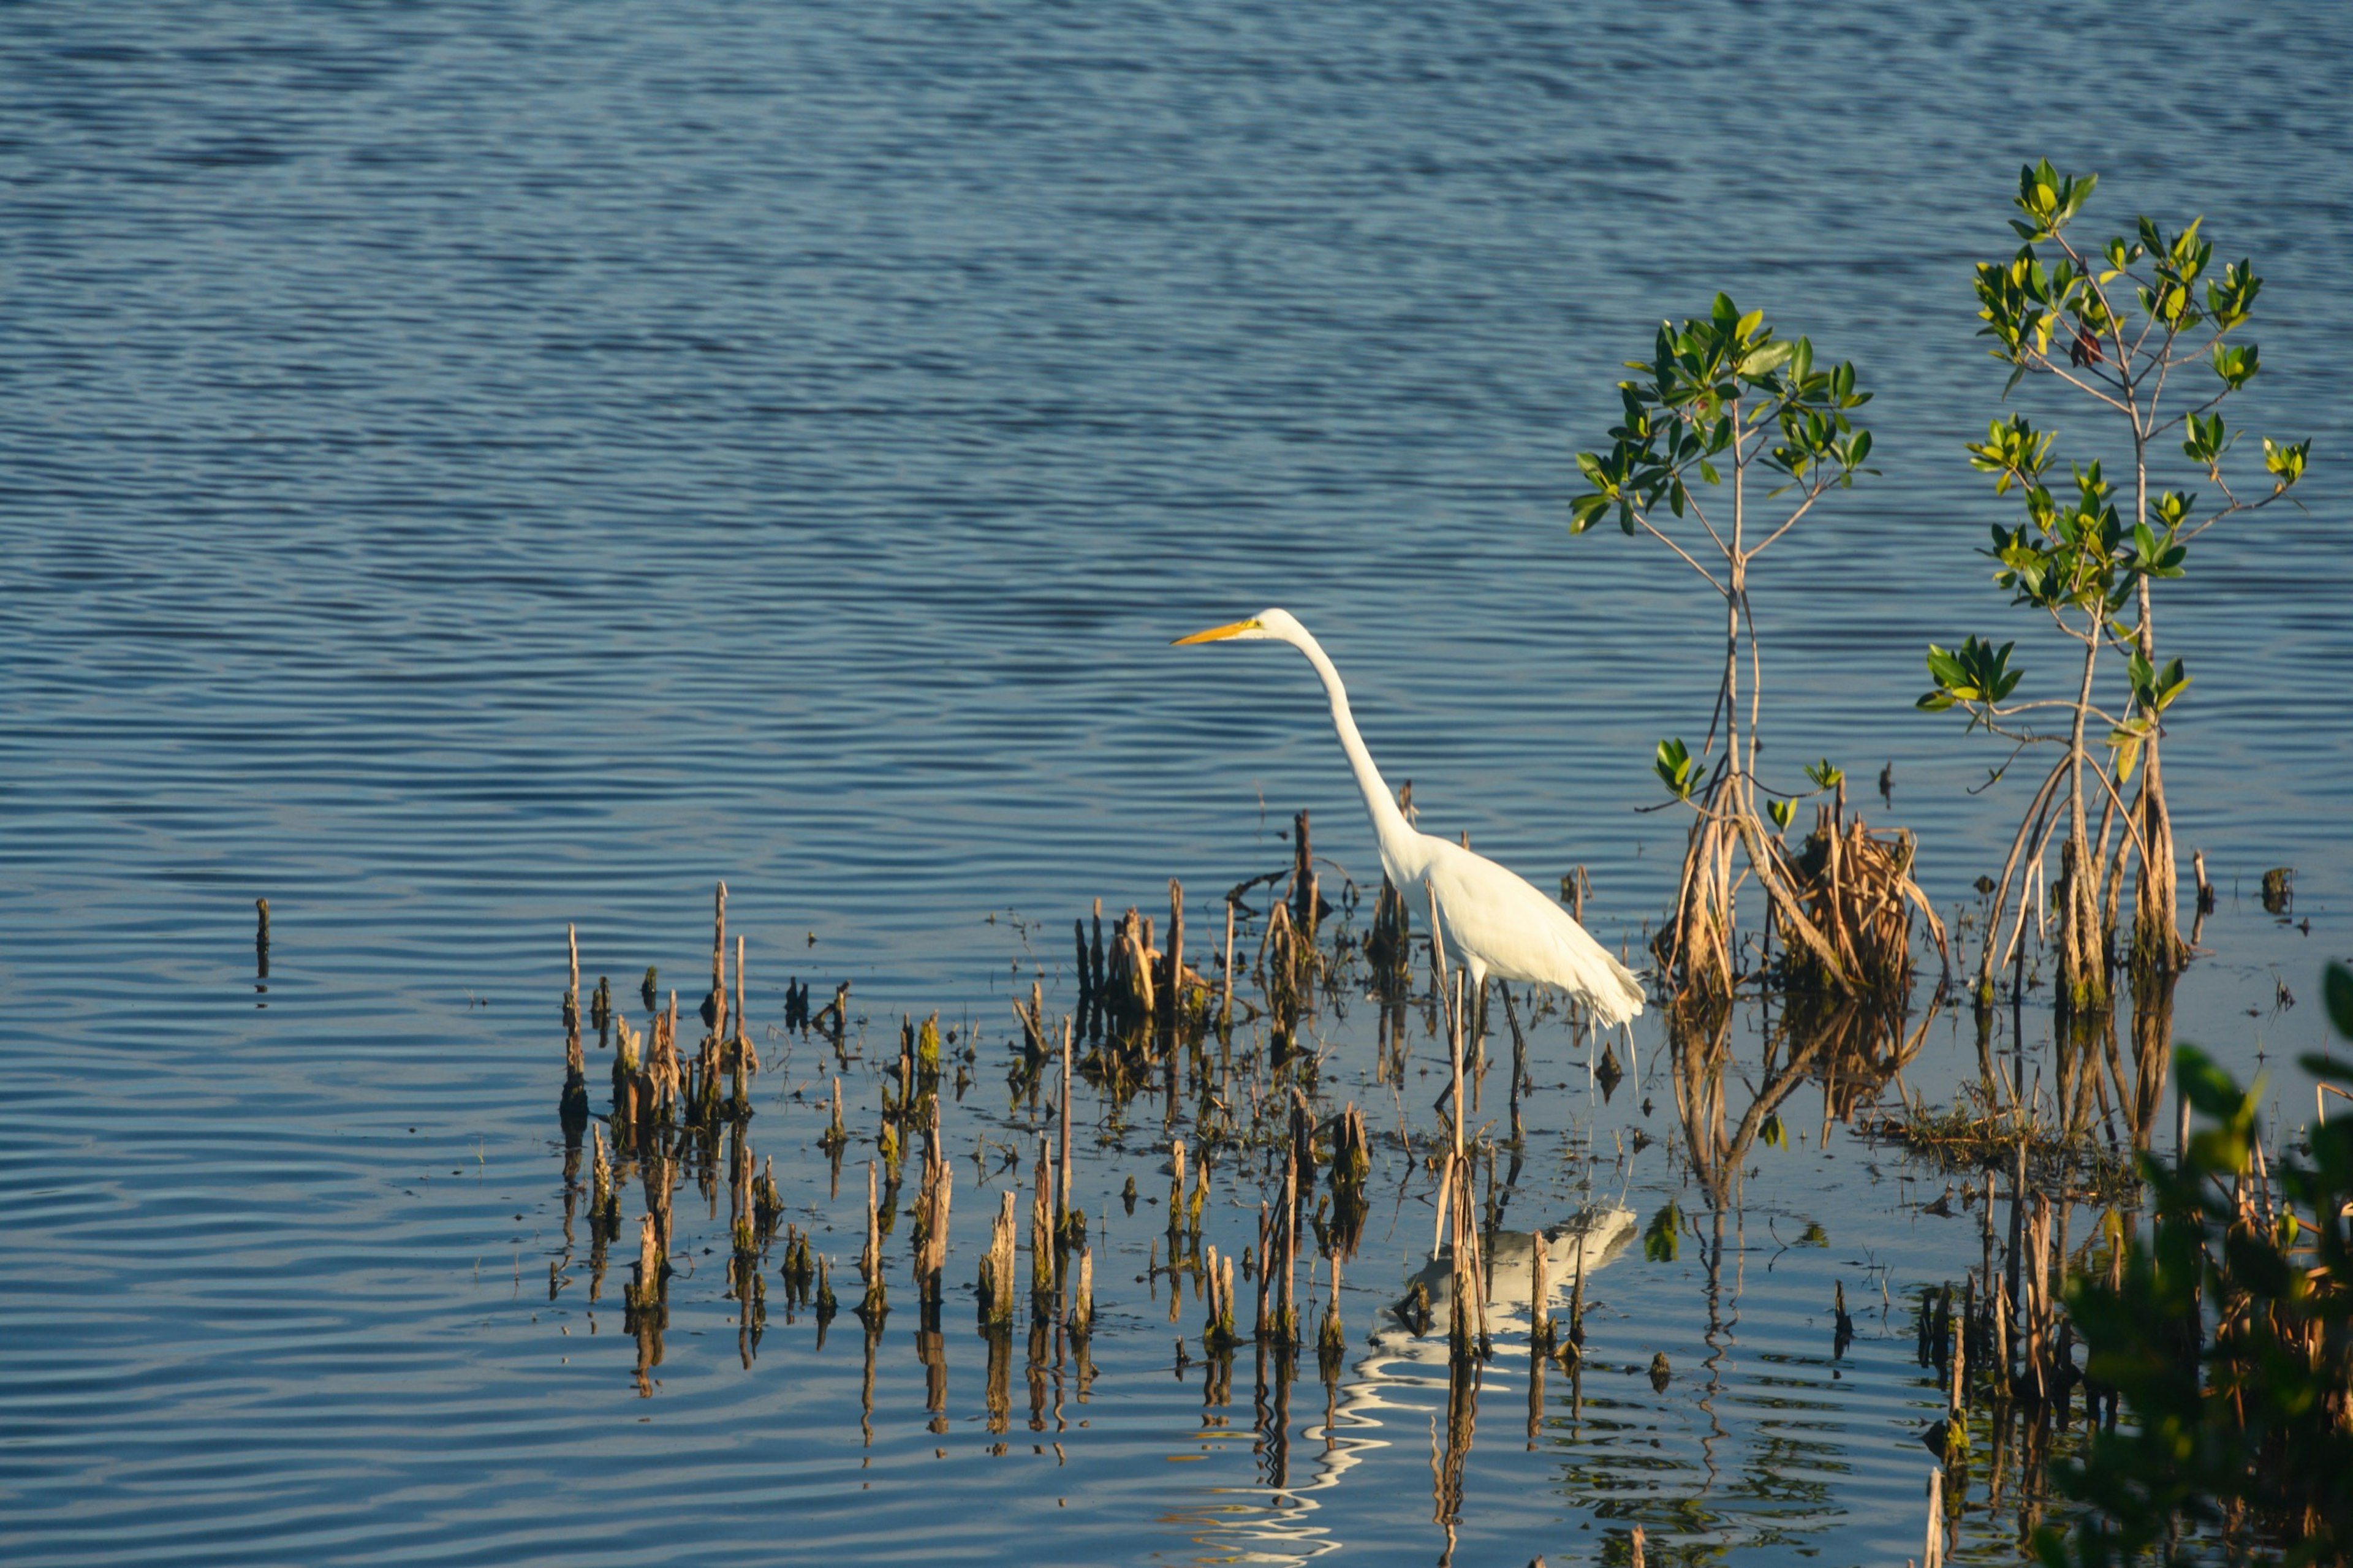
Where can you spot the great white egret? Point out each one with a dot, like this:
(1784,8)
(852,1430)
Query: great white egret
(1498,922)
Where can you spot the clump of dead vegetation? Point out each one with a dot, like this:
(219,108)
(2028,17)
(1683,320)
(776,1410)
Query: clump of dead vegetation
(1984,1129)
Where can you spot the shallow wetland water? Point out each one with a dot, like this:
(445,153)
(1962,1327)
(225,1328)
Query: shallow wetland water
(468,473)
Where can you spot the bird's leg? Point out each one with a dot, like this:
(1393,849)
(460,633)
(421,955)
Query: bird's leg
(1474,1025)
(1519,1057)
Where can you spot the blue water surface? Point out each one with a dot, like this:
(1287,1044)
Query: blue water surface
(468,468)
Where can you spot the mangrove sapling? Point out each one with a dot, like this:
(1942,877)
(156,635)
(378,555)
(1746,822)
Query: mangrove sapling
(2115,326)
(1724,402)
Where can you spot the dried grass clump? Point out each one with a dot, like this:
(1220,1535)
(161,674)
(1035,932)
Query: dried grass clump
(1855,885)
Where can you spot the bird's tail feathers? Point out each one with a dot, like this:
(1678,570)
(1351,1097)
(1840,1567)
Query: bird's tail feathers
(1612,1011)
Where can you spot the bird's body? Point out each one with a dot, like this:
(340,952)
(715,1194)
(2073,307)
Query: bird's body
(1499,923)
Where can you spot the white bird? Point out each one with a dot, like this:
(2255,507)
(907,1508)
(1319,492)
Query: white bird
(1492,916)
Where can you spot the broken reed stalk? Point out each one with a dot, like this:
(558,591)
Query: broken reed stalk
(1539,1320)
(603,1202)
(875,1303)
(1176,1190)
(1331,1341)
(1226,1010)
(1275,916)
(1279,967)
(1352,1167)
(1062,1187)
(905,1069)
(1032,1026)
(1468,1334)
(1286,1318)
(1136,994)
(672,1080)
(1082,1295)
(1957,1393)
(648,1285)
(740,1196)
(836,1137)
(715,1008)
(1576,1297)
(886,1135)
(932,1220)
(575,1069)
(1041,1237)
(743,1041)
(1175,957)
(626,1067)
(1260,1326)
(744,1064)
(997,1267)
(1932,1551)
(1217,1331)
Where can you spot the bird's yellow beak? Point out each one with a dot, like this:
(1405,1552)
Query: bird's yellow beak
(1219,634)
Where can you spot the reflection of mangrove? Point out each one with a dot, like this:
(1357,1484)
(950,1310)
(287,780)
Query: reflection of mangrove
(2026,1150)
(1854,1050)
(2078,1127)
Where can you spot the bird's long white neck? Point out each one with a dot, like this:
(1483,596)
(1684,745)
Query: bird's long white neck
(1389,826)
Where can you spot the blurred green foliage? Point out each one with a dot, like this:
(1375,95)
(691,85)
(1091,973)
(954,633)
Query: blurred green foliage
(2229,1334)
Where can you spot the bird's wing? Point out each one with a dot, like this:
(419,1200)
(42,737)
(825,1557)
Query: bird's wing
(1496,916)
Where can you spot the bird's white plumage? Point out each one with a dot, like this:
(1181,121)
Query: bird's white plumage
(1491,916)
